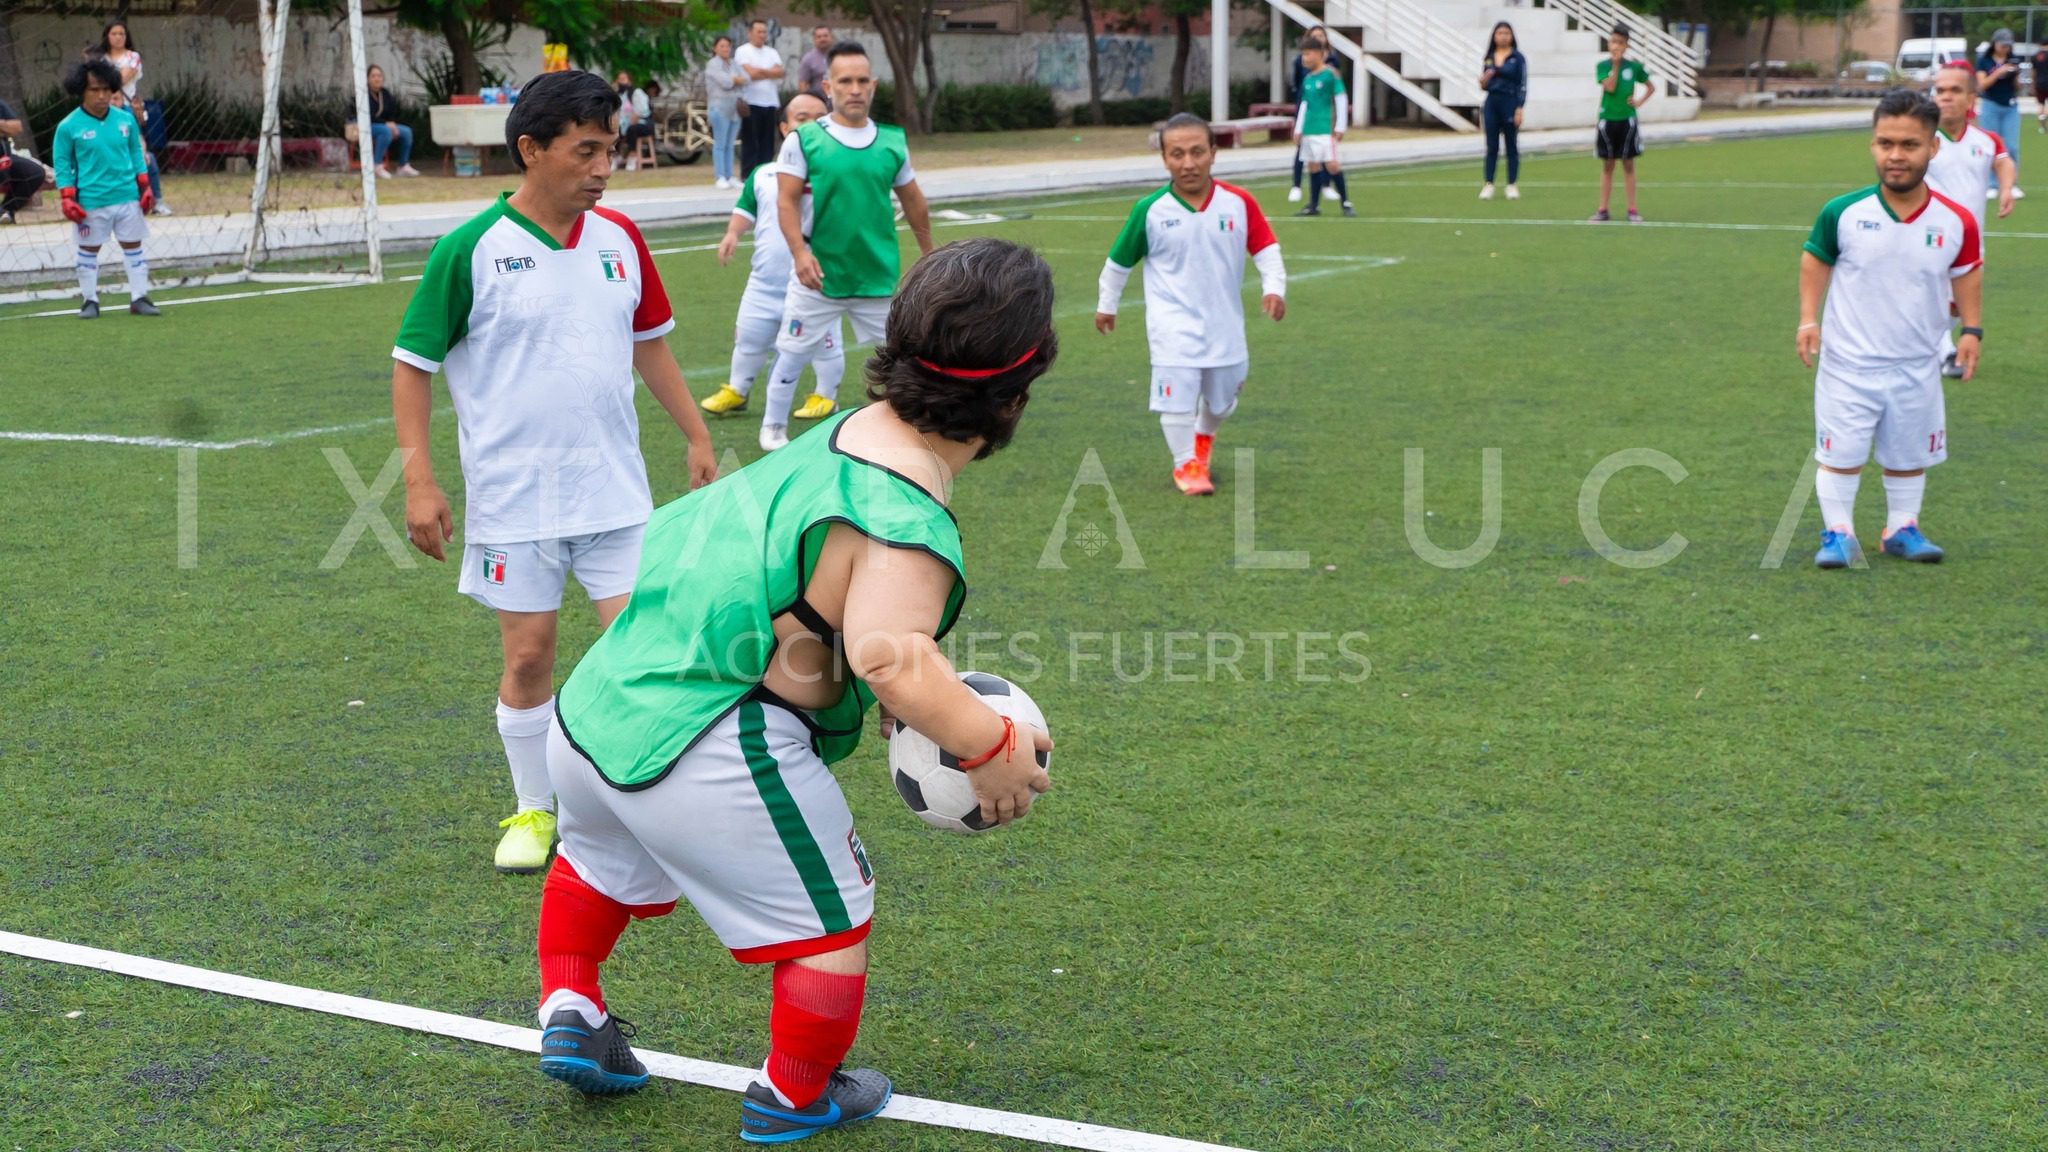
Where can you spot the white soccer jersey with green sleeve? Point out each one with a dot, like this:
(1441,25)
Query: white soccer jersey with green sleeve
(537,341)
(760,201)
(1888,298)
(1194,273)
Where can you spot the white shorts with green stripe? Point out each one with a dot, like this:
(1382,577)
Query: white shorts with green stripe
(748,826)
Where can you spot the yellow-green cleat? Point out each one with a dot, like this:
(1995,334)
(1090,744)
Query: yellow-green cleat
(726,399)
(817,408)
(528,841)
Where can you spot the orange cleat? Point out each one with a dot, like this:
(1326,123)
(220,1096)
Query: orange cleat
(1204,445)
(1192,478)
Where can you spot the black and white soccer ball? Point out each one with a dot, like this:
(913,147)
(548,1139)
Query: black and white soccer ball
(929,778)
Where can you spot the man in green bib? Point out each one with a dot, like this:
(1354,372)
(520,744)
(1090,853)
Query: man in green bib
(849,265)
(690,748)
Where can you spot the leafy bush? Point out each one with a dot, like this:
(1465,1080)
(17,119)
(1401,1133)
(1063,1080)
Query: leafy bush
(979,107)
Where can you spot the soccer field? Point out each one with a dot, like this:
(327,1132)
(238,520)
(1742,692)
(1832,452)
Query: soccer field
(1350,847)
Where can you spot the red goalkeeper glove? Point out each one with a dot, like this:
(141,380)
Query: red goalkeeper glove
(148,197)
(67,200)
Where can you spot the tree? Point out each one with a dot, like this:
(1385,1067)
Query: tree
(646,39)
(1086,11)
(905,29)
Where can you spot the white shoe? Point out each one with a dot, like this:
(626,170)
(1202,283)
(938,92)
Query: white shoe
(774,436)
(1992,194)
(1486,191)
(162,209)
(1329,193)
(2019,193)
(407,170)
(1514,193)
(383,173)
(1294,194)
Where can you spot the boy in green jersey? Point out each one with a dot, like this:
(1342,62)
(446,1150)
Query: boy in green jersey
(103,183)
(1319,124)
(690,748)
(1624,86)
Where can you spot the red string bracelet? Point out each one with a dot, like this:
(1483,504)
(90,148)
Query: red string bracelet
(1004,745)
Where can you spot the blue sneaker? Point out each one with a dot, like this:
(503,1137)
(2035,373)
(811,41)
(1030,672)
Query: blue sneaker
(597,1061)
(848,1097)
(1908,544)
(1837,550)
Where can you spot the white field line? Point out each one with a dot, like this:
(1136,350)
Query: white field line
(912,1109)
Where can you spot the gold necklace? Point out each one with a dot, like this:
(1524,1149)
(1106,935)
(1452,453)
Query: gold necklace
(945,474)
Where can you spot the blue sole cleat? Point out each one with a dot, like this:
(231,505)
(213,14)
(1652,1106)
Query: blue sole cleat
(1909,544)
(849,1097)
(595,1061)
(1837,550)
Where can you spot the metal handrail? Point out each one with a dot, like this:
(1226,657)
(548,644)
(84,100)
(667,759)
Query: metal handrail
(1665,53)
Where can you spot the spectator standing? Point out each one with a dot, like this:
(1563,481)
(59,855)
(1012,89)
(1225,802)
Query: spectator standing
(387,135)
(1505,78)
(1998,100)
(1624,85)
(810,71)
(2041,89)
(762,96)
(722,82)
(1301,70)
(20,177)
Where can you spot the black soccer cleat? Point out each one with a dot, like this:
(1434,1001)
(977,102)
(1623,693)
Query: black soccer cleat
(141,306)
(596,1061)
(1311,210)
(90,310)
(848,1097)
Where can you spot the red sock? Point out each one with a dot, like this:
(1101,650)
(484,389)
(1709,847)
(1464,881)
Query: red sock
(810,1028)
(578,928)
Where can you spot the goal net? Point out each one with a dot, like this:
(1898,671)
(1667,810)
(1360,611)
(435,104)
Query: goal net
(250,119)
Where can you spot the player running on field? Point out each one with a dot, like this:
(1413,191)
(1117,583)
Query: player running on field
(1319,122)
(103,183)
(1888,259)
(849,265)
(1618,138)
(1194,235)
(1968,158)
(540,309)
(760,318)
(692,746)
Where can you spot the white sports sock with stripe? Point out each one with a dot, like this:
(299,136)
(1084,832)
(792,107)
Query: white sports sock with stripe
(88,275)
(138,273)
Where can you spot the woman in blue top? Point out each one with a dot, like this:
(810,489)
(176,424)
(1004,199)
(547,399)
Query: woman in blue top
(1505,77)
(1998,96)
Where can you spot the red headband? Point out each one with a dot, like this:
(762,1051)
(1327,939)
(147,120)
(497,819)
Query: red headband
(979,373)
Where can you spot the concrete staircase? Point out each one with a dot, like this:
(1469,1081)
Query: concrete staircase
(1437,46)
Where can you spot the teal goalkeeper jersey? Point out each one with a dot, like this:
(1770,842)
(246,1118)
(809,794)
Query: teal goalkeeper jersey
(100,157)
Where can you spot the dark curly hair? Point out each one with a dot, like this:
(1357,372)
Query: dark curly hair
(969,331)
(99,69)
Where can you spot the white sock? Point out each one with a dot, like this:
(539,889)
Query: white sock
(1837,492)
(765,1082)
(138,273)
(562,998)
(525,733)
(1902,501)
(782,380)
(88,275)
(1207,422)
(1180,435)
(831,370)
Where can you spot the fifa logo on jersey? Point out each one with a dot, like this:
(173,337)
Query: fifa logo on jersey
(1935,239)
(494,567)
(614,265)
(516,264)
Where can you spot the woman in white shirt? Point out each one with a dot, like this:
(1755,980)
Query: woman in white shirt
(722,81)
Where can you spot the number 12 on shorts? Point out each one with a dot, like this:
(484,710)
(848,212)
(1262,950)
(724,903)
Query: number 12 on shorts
(1937,440)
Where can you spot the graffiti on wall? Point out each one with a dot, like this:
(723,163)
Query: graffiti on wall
(1125,63)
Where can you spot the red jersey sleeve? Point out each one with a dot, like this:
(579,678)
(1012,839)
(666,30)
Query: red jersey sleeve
(1258,234)
(653,315)
(1997,144)
(1970,252)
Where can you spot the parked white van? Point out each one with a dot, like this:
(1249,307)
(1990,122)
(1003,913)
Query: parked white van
(1919,59)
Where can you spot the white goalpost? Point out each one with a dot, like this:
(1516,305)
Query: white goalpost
(257,174)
